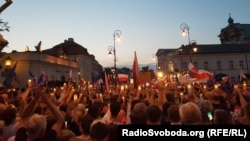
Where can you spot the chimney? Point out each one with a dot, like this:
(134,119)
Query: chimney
(71,39)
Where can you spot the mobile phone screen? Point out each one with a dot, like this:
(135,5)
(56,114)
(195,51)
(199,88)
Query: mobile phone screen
(209,115)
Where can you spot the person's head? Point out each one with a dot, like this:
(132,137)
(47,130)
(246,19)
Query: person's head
(94,111)
(8,115)
(2,107)
(206,108)
(85,124)
(165,107)
(115,107)
(36,125)
(99,131)
(140,105)
(170,97)
(65,135)
(135,101)
(138,116)
(79,112)
(221,117)
(190,113)
(154,115)
(173,113)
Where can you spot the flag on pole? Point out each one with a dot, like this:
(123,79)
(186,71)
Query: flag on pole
(242,75)
(106,83)
(42,79)
(34,82)
(193,71)
(122,77)
(70,75)
(136,71)
(8,80)
(199,74)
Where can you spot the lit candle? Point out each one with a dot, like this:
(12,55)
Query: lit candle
(122,88)
(181,95)
(139,87)
(204,87)
(244,86)
(75,98)
(131,81)
(189,88)
(29,82)
(215,86)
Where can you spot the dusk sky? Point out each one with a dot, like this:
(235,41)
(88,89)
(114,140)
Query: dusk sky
(146,25)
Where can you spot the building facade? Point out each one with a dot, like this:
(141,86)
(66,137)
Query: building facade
(230,57)
(55,62)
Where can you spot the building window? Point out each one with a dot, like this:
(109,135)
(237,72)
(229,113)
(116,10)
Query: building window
(241,64)
(184,66)
(206,65)
(195,64)
(231,65)
(218,65)
(233,80)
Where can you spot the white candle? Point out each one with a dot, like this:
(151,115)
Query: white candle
(189,88)
(29,82)
(244,86)
(75,98)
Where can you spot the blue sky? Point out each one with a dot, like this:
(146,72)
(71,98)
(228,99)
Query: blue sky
(146,25)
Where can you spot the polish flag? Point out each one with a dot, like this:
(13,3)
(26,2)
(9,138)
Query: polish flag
(242,75)
(123,77)
(199,74)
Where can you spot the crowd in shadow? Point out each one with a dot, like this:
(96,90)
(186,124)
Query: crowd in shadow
(78,112)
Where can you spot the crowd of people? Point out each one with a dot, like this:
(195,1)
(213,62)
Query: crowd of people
(84,112)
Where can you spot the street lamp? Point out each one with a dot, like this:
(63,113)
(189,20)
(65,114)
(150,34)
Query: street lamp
(8,62)
(117,36)
(185,28)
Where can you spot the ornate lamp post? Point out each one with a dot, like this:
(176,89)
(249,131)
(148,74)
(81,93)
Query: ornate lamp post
(185,29)
(117,36)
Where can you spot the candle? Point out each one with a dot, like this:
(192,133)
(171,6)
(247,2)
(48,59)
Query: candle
(131,81)
(139,87)
(181,94)
(215,86)
(189,88)
(75,98)
(204,87)
(29,82)
(244,86)
(122,88)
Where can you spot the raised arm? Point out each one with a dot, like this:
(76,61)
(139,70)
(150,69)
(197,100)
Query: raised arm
(55,112)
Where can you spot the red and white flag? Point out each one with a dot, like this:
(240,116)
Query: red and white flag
(199,74)
(136,71)
(122,77)
(242,75)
